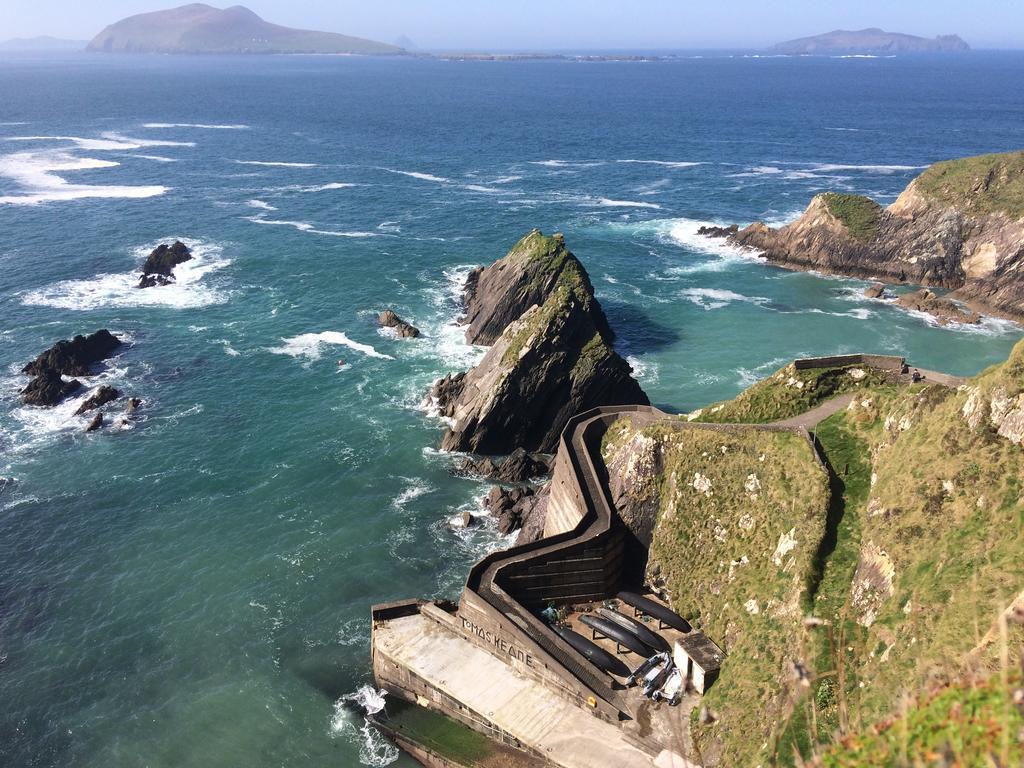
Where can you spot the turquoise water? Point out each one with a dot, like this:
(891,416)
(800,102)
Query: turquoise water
(195,589)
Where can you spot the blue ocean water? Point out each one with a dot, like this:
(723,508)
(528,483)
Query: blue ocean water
(193,588)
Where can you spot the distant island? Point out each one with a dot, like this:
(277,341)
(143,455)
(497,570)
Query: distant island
(42,43)
(200,28)
(868,41)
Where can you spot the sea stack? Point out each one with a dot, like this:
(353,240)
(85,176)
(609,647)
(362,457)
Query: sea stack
(551,355)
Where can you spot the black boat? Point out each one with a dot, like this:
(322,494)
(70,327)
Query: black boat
(655,610)
(620,635)
(628,623)
(597,655)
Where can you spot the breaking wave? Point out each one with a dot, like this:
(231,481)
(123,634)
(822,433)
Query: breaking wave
(310,345)
(121,290)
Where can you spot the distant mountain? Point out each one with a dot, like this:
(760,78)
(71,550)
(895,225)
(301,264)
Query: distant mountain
(871,40)
(199,28)
(403,41)
(42,43)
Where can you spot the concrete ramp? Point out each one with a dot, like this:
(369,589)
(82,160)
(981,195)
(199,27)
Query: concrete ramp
(445,664)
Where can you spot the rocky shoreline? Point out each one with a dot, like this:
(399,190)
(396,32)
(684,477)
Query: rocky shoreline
(958,226)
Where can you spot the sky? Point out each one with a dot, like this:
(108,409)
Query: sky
(565,24)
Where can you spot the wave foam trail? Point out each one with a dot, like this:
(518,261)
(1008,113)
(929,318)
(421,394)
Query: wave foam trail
(374,749)
(305,226)
(310,345)
(420,176)
(261,205)
(108,142)
(121,290)
(275,164)
(665,163)
(205,126)
(716,298)
(605,202)
(37,174)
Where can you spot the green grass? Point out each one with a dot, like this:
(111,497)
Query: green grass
(978,185)
(860,215)
(715,547)
(787,393)
(439,733)
(961,725)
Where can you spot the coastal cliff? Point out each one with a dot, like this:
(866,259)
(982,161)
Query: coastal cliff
(959,225)
(872,611)
(551,355)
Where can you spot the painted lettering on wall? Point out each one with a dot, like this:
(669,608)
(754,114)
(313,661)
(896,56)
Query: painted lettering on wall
(502,645)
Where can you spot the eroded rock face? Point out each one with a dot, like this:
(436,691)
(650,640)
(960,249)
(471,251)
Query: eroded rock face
(48,388)
(550,363)
(952,227)
(498,295)
(75,357)
(101,397)
(518,467)
(389,319)
(874,291)
(160,264)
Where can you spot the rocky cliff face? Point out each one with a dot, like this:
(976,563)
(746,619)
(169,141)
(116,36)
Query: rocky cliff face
(551,356)
(959,225)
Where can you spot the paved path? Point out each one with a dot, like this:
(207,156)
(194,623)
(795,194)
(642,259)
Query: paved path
(815,416)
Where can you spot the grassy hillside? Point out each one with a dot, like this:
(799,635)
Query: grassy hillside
(860,215)
(788,392)
(978,185)
(916,592)
(740,518)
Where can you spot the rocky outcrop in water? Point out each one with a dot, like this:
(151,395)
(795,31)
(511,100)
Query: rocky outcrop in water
(552,360)
(75,357)
(101,397)
(942,309)
(95,423)
(959,225)
(389,319)
(160,264)
(66,358)
(48,388)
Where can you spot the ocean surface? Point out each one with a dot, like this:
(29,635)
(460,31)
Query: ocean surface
(192,588)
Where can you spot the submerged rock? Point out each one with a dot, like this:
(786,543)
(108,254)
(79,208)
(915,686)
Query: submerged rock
(48,389)
(944,310)
(714,231)
(550,363)
(160,264)
(875,291)
(389,319)
(101,397)
(75,357)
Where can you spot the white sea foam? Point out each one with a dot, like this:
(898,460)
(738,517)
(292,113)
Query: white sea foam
(310,345)
(156,158)
(608,203)
(420,176)
(485,190)
(107,142)
(262,205)
(665,163)
(205,126)
(643,370)
(568,163)
(716,298)
(374,749)
(305,226)
(884,169)
(275,164)
(506,179)
(37,174)
(121,290)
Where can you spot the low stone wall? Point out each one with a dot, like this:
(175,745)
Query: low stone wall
(885,363)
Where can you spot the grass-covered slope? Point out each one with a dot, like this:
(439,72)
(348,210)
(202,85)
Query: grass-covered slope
(740,517)
(915,595)
(787,393)
(978,185)
(860,215)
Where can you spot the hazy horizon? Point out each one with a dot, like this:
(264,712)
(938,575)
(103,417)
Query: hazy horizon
(574,24)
